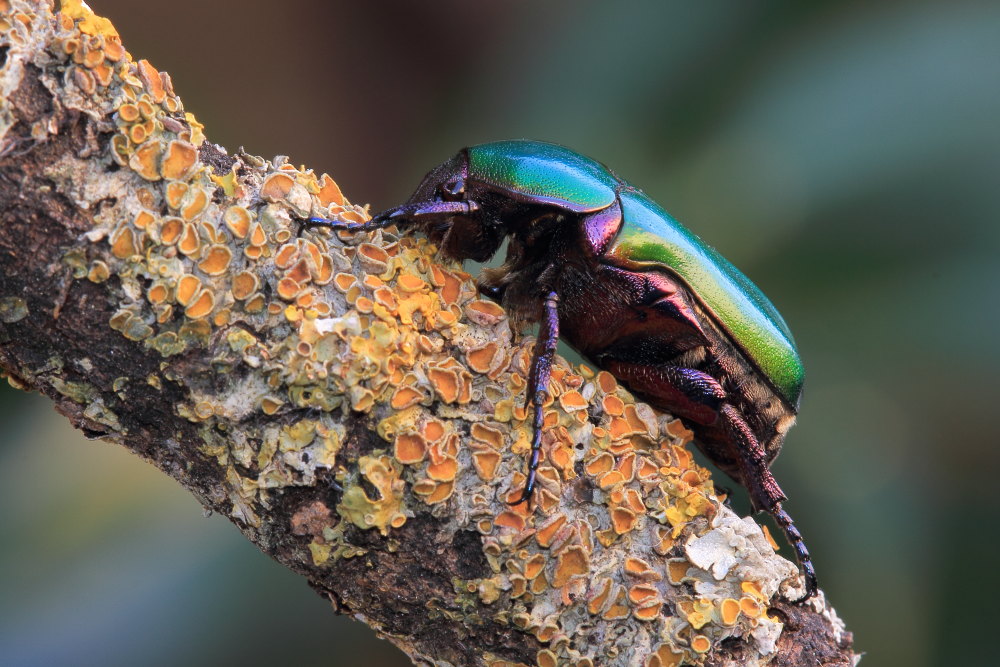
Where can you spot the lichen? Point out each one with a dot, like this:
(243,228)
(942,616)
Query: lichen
(302,327)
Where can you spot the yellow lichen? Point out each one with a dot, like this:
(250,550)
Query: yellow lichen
(384,511)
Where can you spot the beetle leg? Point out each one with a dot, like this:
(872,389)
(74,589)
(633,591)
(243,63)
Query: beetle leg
(538,386)
(694,395)
(765,494)
(401,215)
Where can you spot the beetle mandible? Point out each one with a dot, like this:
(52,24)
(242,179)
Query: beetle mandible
(595,261)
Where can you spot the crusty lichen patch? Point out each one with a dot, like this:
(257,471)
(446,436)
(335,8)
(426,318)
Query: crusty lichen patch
(302,328)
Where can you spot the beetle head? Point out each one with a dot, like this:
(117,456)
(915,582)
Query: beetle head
(475,235)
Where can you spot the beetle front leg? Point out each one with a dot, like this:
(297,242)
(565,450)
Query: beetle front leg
(538,386)
(765,494)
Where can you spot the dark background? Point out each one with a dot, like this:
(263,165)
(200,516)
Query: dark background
(845,156)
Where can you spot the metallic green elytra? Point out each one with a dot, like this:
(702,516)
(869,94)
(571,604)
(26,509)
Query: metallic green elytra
(598,264)
(543,172)
(651,237)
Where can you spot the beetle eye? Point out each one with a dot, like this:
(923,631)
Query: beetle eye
(453,188)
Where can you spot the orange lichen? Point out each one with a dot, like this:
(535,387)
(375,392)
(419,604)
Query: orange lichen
(642,593)
(446,383)
(443,471)
(187,287)
(619,609)
(750,607)
(405,397)
(189,243)
(753,589)
(158,293)
(245,283)
(613,405)
(677,429)
(637,567)
(128,112)
(152,81)
(484,313)
(620,428)
(409,448)
(546,658)
(373,253)
(488,434)
(510,519)
(286,255)
(481,359)
(257,235)
(238,220)
(547,532)
(572,562)
(201,306)
(123,244)
(606,382)
(596,603)
(216,260)
(623,520)
(329,192)
(287,289)
(533,567)
(180,158)
(451,289)
(143,219)
(195,204)
(664,656)
(610,479)
(410,283)
(572,401)
(433,430)
(276,186)
(648,612)
(485,463)
(170,230)
(729,611)
(145,161)
(701,643)
(600,465)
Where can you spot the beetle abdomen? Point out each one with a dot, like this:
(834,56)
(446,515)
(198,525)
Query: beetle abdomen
(650,238)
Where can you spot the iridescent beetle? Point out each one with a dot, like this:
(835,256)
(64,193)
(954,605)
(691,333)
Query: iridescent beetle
(595,261)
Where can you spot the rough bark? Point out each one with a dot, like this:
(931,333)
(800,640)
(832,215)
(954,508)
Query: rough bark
(350,404)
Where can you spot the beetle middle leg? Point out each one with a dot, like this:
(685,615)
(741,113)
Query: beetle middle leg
(538,386)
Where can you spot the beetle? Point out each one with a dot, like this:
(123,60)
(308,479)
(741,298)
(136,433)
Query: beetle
(596,262)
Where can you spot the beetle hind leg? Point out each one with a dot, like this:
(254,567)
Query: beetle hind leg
(766,495)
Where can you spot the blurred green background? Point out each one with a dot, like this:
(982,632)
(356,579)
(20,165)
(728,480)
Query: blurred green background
(845,155)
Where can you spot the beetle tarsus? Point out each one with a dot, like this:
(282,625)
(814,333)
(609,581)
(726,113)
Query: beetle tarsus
(801,552)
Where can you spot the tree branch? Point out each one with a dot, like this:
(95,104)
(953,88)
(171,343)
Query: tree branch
(350,403)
